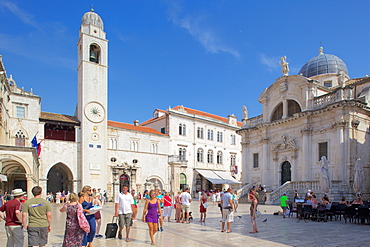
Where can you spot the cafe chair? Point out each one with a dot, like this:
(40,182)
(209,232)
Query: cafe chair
(292,209)
(339,211)
(321,213)
(363,214)
(349,213)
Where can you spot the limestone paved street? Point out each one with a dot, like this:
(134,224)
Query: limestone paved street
(276,231)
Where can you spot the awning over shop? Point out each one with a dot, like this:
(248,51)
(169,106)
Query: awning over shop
(227,177)
(211,176)
(3,178)
(218,177)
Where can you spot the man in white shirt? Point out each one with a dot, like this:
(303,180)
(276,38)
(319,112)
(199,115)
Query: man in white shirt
(123,209)
(227,209)
(185,202)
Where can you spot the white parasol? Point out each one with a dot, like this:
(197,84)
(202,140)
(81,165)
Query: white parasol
(358,182)
(325,178)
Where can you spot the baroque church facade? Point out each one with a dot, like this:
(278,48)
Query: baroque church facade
(319,112)
(87,148)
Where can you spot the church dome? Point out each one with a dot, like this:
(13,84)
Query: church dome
(323,64)
(92,18)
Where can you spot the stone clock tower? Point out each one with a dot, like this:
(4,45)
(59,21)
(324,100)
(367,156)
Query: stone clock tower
(92,101)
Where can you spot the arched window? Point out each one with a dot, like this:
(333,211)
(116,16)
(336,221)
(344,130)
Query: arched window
(20,139)
(182,154)
(182,181)
(219,157)
(200,155)
(278,112)
(210,156)
(182,129)
(293,107)
(94,53)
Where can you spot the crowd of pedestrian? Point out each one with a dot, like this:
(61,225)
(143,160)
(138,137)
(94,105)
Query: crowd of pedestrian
(83,217)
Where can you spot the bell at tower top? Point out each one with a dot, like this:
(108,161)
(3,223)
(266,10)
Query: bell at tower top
(92,18)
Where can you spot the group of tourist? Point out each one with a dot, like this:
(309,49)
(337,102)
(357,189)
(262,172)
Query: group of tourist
(34,216)
(158,206)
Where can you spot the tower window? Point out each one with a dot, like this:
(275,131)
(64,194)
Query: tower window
(21,112)
(94,53)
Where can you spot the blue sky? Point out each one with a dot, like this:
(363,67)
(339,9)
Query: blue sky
(210,55)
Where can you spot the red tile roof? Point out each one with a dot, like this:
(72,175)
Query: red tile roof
(152,119)
(133,127)
(205,114)
(58,117)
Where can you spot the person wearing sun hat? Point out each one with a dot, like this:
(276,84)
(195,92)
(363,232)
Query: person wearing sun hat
(13,223)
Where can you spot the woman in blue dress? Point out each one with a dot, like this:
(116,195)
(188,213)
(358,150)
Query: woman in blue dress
(86,201)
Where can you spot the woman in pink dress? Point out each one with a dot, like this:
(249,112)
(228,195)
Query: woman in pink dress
(73,234)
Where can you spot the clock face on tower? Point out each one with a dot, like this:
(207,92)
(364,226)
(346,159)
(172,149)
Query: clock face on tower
(94,112)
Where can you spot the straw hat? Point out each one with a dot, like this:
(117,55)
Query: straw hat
(18,192)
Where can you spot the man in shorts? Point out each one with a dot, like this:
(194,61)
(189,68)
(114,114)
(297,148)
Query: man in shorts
(227,209)
(13,221)
(124,206)
(283,204)
(185,202)
(39,218)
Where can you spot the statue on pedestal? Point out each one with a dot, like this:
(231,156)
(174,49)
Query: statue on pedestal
(284,66)
(245,112)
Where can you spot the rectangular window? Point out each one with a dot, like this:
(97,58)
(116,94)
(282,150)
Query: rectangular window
(327,83)
(135,146)
(323,150)
(98,146)
(233,140)
(21,112)
(255,160)
(91,145)
(163,130)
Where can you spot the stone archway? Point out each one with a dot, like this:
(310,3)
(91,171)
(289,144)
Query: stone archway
(17,172)
(286,172)
(59,178)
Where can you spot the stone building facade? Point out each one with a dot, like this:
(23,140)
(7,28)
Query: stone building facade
(320,112)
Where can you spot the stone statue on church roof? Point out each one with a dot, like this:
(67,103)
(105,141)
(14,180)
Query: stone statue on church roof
(284,66)
(245,112)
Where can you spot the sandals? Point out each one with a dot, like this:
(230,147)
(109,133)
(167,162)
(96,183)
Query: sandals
(120,235)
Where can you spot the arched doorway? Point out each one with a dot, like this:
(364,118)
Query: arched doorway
(59,178)
(183,184)
(16,176)
(286,173)
(124,180)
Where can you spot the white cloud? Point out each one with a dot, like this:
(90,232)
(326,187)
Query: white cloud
(201,32)
(21,14)
(272,63)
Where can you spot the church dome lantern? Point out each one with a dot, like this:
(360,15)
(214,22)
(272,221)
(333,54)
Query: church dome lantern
(323,64)
(92,18)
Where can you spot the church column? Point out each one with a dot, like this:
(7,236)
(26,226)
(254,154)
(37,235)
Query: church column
(285,108)
(265,169)
(306,157)
(343,163)
(245,178)
(275,159)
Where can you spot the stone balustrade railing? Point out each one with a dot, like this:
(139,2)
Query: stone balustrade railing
(324,100)
(273,197)
(244,190)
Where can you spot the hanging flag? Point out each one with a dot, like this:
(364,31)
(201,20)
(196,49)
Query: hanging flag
(235,169)
(36,145)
